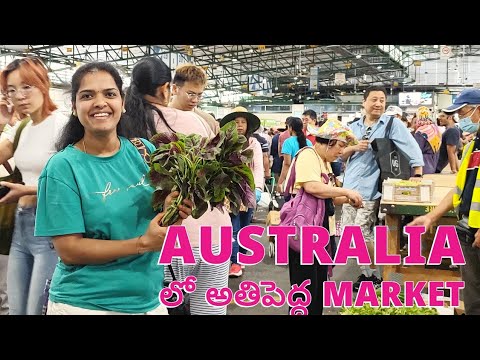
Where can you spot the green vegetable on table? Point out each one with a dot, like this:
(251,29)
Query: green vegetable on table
(366,309)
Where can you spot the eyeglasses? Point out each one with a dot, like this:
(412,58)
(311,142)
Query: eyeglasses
(367,133)
(24,90)
(192,95)
(464,115)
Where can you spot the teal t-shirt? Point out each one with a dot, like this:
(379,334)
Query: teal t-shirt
(291,146)
(102,198)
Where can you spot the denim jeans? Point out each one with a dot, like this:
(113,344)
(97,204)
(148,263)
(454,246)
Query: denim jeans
(3,284)
(239,221)
(31,263)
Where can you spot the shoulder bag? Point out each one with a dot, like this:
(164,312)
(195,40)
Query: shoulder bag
(7,211)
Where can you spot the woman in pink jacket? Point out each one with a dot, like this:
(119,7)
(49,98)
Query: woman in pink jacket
(148,113)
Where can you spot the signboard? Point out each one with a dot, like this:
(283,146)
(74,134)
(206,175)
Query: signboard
(445,52)
(415,99)
(340,78)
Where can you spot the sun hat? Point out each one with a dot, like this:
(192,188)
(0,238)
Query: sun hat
(469,96)
(252,120)
(334,130)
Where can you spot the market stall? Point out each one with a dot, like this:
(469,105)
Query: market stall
(394,210)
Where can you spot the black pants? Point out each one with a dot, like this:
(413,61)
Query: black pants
(316,273)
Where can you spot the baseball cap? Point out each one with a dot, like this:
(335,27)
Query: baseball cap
(466,97)
(393,110)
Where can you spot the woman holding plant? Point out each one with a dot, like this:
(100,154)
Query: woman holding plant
(147,102)
(94,200)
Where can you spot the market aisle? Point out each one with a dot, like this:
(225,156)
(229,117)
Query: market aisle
(267,270)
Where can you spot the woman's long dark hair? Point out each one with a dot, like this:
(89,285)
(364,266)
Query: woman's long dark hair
(74,130)
(147,75)
(297,125)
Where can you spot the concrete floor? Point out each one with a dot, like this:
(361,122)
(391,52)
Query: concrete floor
(267,270)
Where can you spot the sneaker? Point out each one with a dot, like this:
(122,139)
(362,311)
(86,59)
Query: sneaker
(235,271)
(242,266)
(361,278)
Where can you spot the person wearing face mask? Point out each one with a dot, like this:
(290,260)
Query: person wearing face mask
(464,198)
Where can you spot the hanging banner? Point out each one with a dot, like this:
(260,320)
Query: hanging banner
(340,78)
(314,78)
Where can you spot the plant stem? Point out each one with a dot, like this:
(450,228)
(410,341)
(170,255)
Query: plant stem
(171,214)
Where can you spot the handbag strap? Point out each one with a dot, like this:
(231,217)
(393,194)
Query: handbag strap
(171,272)
(389,127)
(292,178)
(7,167)
(142,149)
(24,123)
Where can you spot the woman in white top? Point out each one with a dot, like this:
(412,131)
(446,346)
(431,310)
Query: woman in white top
(32,259)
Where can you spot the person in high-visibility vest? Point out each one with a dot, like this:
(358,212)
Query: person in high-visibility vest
(465,199)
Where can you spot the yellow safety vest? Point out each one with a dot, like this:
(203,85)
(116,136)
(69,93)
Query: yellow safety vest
(474,213)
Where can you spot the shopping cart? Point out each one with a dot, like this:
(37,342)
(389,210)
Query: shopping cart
(275,204)
(276,199)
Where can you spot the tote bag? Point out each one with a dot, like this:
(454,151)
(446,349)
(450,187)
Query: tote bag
(392,162)
(7,211)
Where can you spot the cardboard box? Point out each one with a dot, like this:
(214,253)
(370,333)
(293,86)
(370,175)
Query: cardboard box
(407,191)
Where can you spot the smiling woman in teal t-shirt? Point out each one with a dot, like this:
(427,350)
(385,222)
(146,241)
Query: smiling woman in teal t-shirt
(95,201)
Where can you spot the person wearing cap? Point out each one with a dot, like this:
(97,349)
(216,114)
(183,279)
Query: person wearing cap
(330,142)
(464,198)
(428,138)
(450,143)
(363,174)
(393,110)
(247,124)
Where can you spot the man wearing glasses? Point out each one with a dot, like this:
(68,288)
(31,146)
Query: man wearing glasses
(189,83)
(363,174)
(464,198)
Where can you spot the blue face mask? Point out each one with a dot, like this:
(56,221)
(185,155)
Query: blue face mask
(466,125)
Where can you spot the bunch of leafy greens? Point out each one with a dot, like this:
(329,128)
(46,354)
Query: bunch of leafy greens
(366,309)
(205,171)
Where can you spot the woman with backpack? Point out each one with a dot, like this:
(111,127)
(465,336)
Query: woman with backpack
(311,166)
